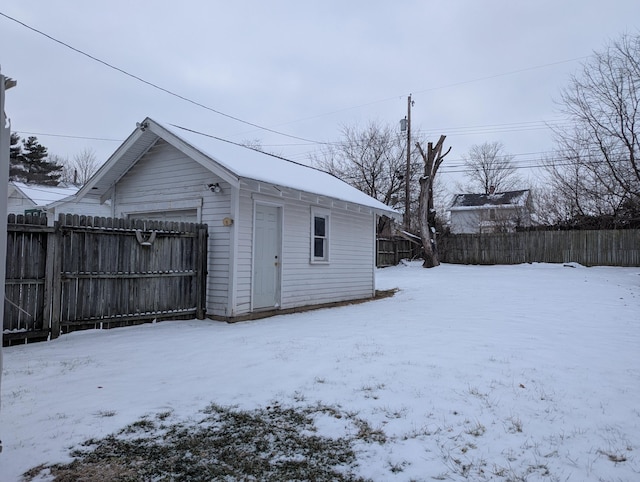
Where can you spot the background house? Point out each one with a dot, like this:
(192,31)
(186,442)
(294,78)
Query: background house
(490,213)
(282,235)
(24,198)
(52,200)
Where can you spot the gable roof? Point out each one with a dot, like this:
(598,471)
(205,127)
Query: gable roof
(41,195)
(229,161)
(500,199)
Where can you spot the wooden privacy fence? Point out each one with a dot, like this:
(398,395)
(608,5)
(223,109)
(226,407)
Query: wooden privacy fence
(28,238)
(87,272)
(590,248)
(389,251)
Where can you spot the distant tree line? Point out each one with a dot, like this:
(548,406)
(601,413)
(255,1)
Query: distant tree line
(592,180)
(595,172)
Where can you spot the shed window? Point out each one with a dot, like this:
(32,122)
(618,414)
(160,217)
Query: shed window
(319,236)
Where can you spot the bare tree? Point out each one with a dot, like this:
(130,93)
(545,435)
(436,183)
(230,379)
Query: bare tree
(432,160)
(489,167)
(86,164)
(596,167)
(80,169)
(373,160)
(66,175)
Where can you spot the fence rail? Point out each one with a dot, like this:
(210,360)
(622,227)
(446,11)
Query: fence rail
(87,272)
(590,248)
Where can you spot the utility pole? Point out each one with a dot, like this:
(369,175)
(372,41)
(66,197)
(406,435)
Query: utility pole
(407,174)
(5,143)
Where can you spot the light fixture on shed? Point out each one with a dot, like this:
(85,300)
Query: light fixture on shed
(214,188)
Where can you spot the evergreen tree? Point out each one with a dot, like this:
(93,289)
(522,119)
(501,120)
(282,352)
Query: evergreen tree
(16,161)
(29,163)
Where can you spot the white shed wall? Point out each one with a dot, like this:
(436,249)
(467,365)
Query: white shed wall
(350,271)
(348,275)
(88,206)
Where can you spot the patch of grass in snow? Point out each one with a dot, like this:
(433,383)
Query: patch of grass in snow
(514,425)
(476,429)
(371,390)
(273,443)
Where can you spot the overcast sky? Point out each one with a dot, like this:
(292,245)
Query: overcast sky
(479,71)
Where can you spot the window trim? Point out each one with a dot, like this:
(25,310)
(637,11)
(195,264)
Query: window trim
(326,214)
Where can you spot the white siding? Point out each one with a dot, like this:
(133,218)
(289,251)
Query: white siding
(88,206)
(164,178)
(348,275)
(244,253)
(17,204)
(483,220)
(465,221)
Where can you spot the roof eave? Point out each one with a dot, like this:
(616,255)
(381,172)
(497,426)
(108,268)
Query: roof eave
(99,177)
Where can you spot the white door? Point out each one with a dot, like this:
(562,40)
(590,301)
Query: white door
(266,260)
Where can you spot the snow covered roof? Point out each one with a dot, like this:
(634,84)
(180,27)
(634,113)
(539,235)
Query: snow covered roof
(500,199)
(236,162)
(42,195)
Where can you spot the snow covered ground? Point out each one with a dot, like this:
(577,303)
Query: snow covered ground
(505,372)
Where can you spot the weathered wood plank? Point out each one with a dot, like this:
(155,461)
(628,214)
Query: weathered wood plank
(87,272)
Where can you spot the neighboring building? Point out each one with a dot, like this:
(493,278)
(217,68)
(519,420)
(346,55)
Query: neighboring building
(281,235)
(51,200)
(24,198)
(490,213)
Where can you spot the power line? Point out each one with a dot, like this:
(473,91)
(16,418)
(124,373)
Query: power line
(541,124)
(155,86)
(512,72)
(257,126)
(446,86)
(69,136)
(451,164)
(211,136)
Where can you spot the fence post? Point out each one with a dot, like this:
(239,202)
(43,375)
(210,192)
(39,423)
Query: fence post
(54,278)
(396,252)
(201,267)
(48,284)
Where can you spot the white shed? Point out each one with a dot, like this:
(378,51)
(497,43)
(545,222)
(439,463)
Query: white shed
(282,235)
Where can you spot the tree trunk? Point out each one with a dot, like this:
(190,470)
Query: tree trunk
(432,160)
(427,229)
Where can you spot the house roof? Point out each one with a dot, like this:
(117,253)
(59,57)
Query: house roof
(500,199)
(42,195)
(230,161)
